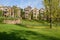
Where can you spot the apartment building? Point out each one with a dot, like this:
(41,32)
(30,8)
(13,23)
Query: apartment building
(27,11)
(35,13)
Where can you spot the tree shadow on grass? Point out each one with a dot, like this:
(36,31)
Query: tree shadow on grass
(11,36)
(34,35)
(21,25)
(43,36)
(25,35)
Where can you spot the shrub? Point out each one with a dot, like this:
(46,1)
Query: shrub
(1,19)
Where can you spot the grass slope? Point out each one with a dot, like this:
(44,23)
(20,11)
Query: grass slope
(21,32)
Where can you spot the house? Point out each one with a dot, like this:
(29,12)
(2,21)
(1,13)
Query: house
(10,12)
(16,11)
(35,13)
(6,11)
(42,14)
(27,11)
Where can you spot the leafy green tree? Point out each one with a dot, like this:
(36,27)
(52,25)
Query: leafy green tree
(1,13)
(22,13)
(51,7)
(15,11)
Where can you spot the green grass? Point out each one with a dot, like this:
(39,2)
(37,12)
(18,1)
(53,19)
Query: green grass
(22,32)
(34,23)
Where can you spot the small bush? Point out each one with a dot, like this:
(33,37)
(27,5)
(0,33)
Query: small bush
(10,18)
(1,19)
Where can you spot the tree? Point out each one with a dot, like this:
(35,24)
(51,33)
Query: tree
(22,13)
(1,13)
(51,7)
(15,11)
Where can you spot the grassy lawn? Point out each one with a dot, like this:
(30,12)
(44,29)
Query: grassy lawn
(29,30)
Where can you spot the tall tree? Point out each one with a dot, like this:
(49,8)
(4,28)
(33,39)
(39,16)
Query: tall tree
(51,7)
(1,13)
(15,11)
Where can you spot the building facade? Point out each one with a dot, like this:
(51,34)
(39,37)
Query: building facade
(42,14)
(27,12)
(35,13)
(10,11)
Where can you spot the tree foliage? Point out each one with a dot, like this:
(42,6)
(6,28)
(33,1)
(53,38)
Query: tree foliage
(0,12)
(52,8)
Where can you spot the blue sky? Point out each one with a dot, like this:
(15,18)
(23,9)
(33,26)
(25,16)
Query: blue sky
(22,3)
